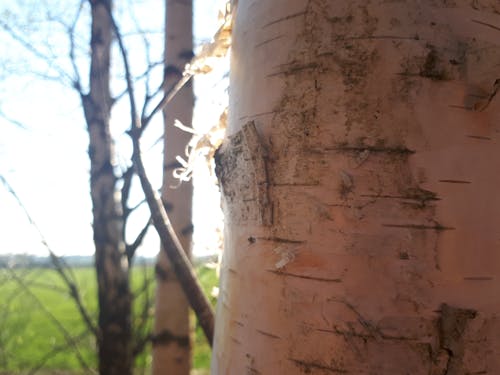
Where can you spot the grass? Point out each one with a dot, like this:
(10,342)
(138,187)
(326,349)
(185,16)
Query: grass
(40,326)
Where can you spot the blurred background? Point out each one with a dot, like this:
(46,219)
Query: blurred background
(44,165)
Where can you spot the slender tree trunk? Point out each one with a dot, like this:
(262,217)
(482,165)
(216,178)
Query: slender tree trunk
(171,348)
(359,182)
(115,336)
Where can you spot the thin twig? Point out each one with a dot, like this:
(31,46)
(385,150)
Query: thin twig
(13,121)
(125,191)
(77,82)
(34,51)
(167,98)
(150,65)
(131,248)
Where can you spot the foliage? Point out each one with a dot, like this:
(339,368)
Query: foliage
(29,338)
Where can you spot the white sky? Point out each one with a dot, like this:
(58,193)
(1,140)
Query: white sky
(47,164)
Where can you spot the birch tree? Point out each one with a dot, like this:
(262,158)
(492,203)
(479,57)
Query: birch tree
(171,349)
(359,177)
(115,346)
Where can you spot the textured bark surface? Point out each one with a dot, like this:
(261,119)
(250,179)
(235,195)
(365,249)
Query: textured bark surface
(359,182)
(115,336)
(173,355)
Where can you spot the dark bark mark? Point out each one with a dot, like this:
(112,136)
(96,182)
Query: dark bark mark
(235,340)
(268,334)
(431,68)
(166,337)
(226,160)
(315,183)
(293,68)
(241,167)
(452,325)
(436,227)
(487,24)
(403,255)
(421,196)
(305,277)
(456,181)
(309,366)
(478,278)
(259,156)
(171,72)
(250,367)
(252,371)
(187,230)
(186,54)
(346,184)
(479,137)
(347,334)
(268,41)
(374,149)
(286,18)
(481,102)
(168,206)
(377,37)
(162,274)
(279,240)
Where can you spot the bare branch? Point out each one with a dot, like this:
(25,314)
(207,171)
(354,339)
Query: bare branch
(167,98)
(77,82)
(13,121)
(125,191)
(147,46)
(173,248)
(126,65)
(63,76)
(131,249)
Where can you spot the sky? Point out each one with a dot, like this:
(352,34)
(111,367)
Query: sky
(43,139)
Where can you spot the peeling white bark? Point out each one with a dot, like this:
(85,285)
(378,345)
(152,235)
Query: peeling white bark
(380,124)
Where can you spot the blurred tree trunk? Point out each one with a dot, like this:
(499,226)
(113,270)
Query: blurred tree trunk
(115,336)
(171,347)
(359,179)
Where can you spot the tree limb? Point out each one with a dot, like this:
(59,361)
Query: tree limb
(131,248)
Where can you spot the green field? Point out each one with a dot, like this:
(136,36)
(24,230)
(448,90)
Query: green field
(40,326)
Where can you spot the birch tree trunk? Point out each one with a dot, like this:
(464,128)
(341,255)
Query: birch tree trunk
(360,179)
(115,335)
(171,349)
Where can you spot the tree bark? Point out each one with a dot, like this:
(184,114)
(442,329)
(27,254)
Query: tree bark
(171,349)
(359,183)
(115,335)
